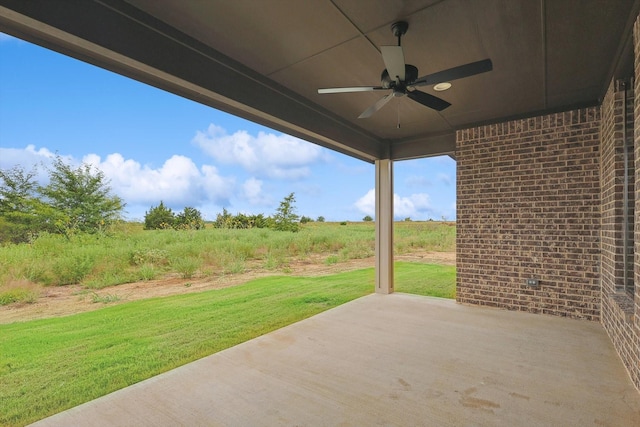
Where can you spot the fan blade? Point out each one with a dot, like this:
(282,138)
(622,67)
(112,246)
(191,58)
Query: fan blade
(393,57)
(455,73)
(428,100)
(375,107)
(350,89)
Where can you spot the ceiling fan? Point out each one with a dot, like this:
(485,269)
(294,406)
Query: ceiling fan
(403,78)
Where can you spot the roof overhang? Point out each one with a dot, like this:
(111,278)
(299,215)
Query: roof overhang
(264,61)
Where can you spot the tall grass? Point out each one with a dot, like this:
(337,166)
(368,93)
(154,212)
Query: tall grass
(431,235)
(132,254)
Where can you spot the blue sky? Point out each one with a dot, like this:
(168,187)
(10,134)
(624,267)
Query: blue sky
(155,146)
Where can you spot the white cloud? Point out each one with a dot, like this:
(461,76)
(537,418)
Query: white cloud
(178,182)
(253,192)
(416,206)
(29,155)
(30,158)
(267,154)
(367,203)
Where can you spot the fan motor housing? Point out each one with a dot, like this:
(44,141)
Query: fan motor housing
(410,75)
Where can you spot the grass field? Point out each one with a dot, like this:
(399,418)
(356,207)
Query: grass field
(50,365)
(130,254)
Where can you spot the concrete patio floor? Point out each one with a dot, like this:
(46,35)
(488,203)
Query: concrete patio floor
(395,360)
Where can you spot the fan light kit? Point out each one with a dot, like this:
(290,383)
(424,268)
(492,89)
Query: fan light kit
(402,79)
(442,86)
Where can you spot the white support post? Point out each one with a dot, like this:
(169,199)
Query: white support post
(384,226)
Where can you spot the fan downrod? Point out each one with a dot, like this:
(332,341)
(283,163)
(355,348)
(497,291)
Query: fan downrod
(399,29)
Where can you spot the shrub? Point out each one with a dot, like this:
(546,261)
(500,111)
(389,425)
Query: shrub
(186,266)
(240,221)
(149,256)
(238,266)
(189,219)
(17,294)
(159,217)
(331,259)
(275,260)
(71,270)
(305,219)
(36,272)
(147,272)
(223,220)
(367,218)
(17,230)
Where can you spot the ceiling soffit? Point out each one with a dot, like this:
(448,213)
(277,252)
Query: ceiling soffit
(264,61)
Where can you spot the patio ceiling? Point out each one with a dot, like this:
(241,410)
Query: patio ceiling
(264,61)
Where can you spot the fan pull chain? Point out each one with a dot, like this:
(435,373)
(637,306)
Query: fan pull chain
(398,104)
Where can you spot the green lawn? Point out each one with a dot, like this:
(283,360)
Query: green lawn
(50,365)
(425,279)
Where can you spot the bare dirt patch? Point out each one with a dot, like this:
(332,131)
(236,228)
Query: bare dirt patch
(67,300)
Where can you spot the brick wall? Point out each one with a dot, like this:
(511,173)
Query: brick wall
(617,312)
(613,156)
(632,329)
(545,198)
(529,206)
(620,298)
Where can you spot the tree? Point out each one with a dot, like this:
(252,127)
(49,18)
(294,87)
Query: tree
(75,200)
(320,219)
(19,206)
(159,217)
(367,218)
(305,219)
(285,218)
(80,199)
(189,219)
(17,187)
